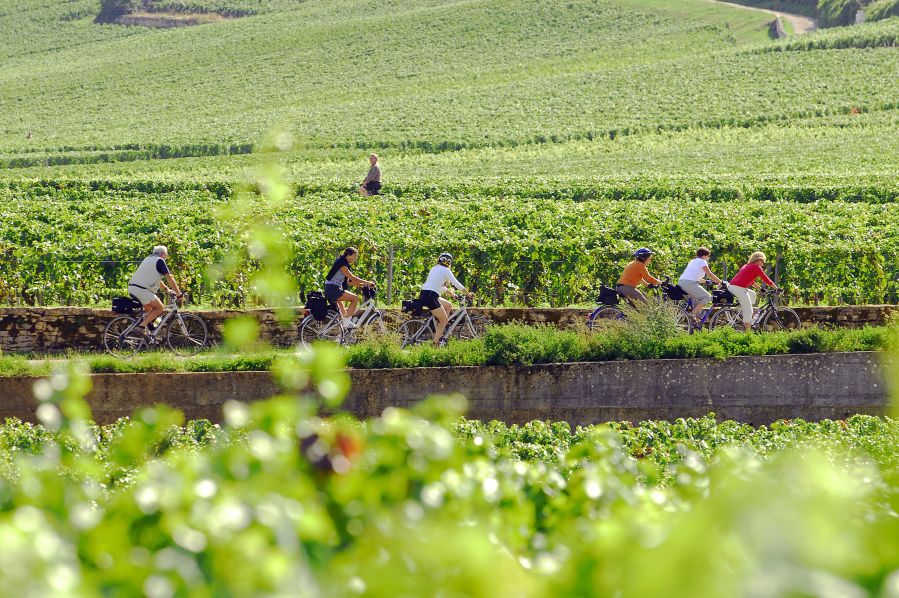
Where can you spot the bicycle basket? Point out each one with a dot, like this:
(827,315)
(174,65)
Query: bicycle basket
(722,297)
(368,292)
(317,305)
(608,296)
(413,307)
(674,291)
(126,305)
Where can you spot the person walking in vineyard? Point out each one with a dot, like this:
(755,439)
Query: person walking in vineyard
(691,280)
(634,274)
(745,278)
(372,183)
(336,283)
(145,283)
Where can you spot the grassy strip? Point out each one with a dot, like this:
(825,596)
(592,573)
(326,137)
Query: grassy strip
(511,344)
(516,344)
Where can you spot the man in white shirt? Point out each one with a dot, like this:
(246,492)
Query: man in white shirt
(691,280)
(146,281)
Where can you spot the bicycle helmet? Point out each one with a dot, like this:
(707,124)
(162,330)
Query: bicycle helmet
(444,258)
(644,252)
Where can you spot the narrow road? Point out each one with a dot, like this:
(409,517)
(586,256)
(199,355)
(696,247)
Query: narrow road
(800,23)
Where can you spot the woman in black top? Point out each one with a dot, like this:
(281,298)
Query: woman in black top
(337,281)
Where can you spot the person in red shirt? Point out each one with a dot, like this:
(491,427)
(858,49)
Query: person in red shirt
(745,278)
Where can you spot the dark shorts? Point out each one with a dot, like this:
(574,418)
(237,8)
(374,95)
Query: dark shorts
(429,300)
(373,187)
(333,292)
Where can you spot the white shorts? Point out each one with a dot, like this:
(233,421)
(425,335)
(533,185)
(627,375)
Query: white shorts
(143,295)
(746,297)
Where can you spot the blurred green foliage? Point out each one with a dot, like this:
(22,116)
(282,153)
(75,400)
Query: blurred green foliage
(279,501)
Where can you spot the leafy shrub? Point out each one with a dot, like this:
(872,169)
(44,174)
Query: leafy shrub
(882,9)
(835,13)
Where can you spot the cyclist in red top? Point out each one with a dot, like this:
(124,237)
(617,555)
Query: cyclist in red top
(745,278)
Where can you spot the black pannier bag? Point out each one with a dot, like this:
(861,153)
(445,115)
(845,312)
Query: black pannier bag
(317,305)
(413,307)
(722,297)
(608,296)
(675,292)
(126,305)
(368,293)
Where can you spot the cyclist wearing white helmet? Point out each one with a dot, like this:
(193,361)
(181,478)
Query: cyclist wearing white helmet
(634,274)
(438,280)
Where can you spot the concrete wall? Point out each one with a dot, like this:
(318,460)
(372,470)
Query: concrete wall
(756,390)
(61,328)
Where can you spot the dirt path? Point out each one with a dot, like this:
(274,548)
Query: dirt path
(800,23)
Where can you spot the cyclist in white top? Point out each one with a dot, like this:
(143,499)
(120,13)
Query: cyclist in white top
(438,280)
(146,281)
(691,280)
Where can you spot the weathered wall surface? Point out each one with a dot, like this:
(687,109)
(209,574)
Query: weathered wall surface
(60,328)
(755,390)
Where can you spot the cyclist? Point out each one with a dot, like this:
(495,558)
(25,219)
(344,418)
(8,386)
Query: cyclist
(145,283)
(691,280)
(336,283)
(437,282)
(746,277)
(635,273)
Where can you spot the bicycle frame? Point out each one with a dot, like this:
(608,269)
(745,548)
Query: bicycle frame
(171,310)
(705,314)
(456,318)
(368,308)
(761,313)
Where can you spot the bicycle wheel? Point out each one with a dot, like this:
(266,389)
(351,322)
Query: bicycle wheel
(312,330)
(113,334)
(727,317)
(187,333)
(603,315)
(477,329)
(416,331)
(683,320)
(780,318)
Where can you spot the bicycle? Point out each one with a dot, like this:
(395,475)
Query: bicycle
(609,300)
(769,318)
(332,328)
(184,332)
(461,325)
(721,298)
(608,309)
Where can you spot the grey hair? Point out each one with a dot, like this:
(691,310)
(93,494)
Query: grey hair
(160,249)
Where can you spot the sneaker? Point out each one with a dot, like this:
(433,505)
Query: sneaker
(349,324)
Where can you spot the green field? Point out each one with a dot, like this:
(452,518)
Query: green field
(516,134)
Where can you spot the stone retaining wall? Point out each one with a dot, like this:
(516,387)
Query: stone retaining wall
(756,390)
(56,329)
